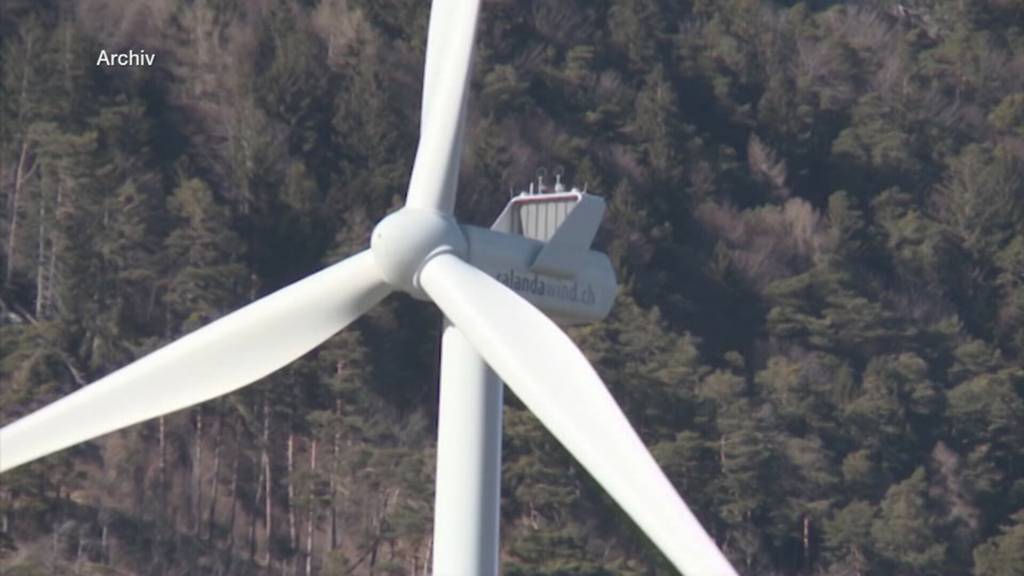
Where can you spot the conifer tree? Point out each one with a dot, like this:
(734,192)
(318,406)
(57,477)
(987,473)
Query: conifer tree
(203,255)
(1002,555)
(848,535)
(904,532)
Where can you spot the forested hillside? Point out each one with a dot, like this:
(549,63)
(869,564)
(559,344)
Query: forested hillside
(816,211)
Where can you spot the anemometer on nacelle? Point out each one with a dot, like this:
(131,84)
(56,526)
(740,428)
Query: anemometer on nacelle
(543,252)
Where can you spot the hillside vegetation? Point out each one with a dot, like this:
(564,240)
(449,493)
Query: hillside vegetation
(816,211)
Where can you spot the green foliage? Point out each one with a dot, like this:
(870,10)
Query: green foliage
(1010,283)
(1009,115)
(503,88)
(847,226)
(904,532)
(203,254)
(848,534)
(805,392)
(1002,555)
(634,27)
(877,145)
(980,200)
(989,409)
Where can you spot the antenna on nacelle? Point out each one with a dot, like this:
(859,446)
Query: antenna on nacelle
(541,173)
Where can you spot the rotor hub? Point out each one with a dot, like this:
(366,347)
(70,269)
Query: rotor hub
(405,240)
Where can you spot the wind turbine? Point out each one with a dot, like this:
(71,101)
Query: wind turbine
(491,331)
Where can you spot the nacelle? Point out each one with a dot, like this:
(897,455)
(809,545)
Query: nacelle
(540,248)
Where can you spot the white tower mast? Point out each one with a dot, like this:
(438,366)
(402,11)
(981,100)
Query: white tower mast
(467,500)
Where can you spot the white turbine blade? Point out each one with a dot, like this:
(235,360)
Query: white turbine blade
(445,90)
(437,48)
(214,360)
(553,379)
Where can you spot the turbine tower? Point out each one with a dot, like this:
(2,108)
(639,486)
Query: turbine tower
(488,283)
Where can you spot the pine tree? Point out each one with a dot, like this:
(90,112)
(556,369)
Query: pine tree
(1010,281)
(980,200)
(203,254)
(847,226)
(1002,555)
(894,413)
(806,391)
(1009,114)
(988,410)
(656,126)
(876,150)
(292,87)
(905,531)
(749,451)
(633,27)
(848,535)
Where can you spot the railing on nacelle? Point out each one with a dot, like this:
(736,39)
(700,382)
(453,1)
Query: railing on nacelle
(551,264)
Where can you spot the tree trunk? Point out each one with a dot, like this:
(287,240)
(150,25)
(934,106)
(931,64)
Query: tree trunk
(54,549)
(428,559)
(20,176)
(335,445)
(310,510)
(69,58)
(807,542)
(5,520)
(255,514)
(52,269)
(290,503)
(379,528)
(267,478)
(162,440)
(78,554)
(234,500)
(103,544)
(41,257)
(198,468)
(214,483)
(48,294)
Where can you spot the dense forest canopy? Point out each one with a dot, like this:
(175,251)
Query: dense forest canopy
(816,211)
